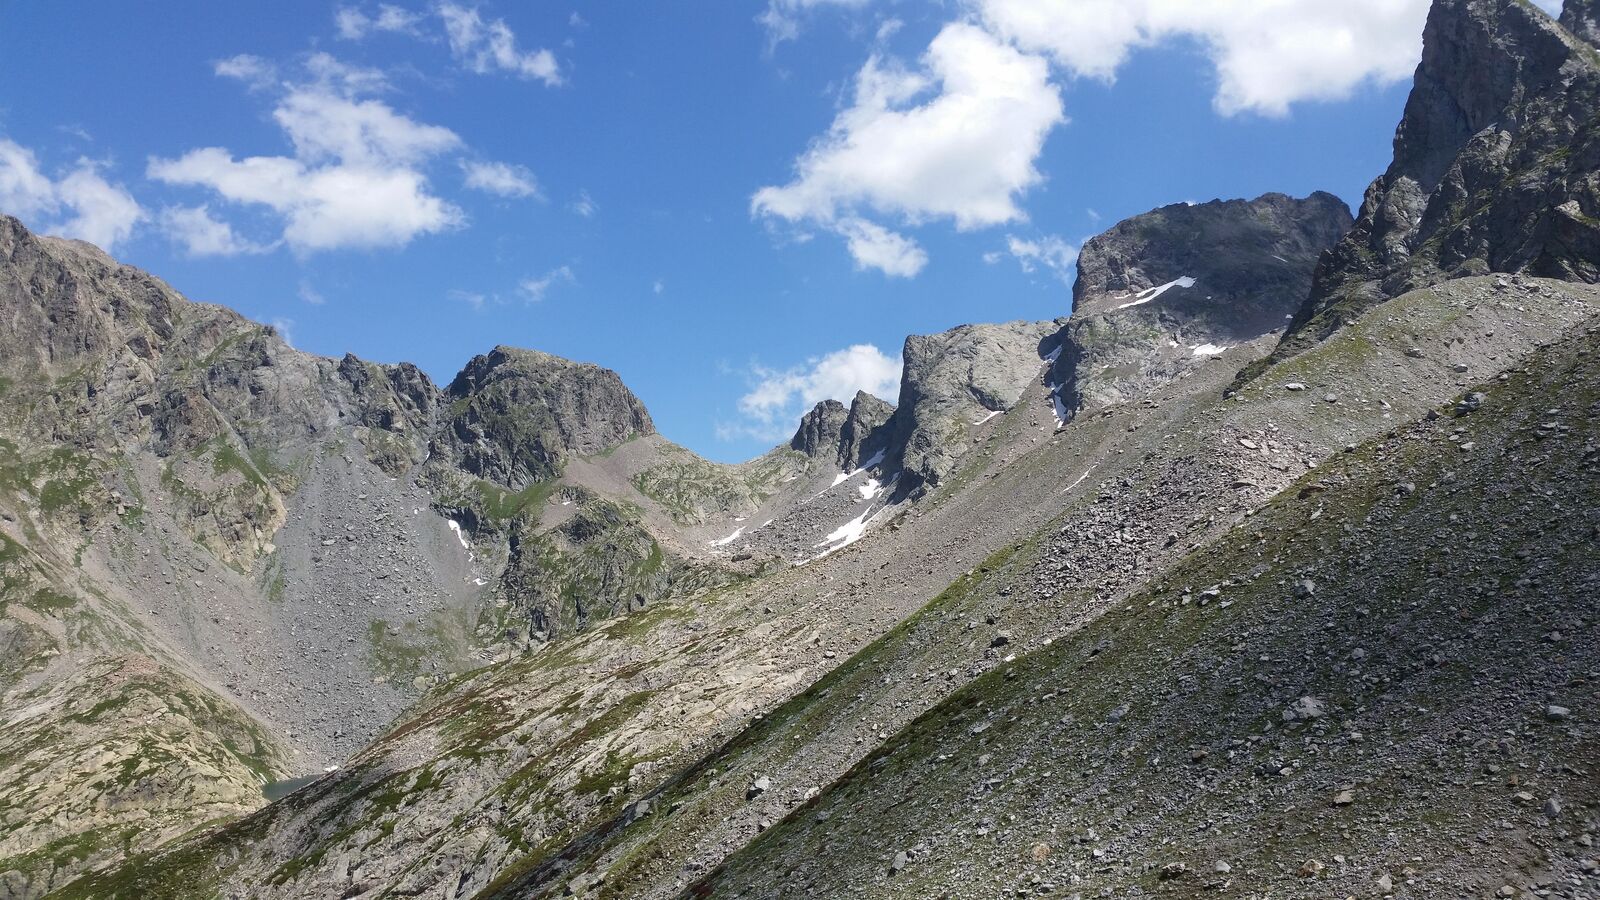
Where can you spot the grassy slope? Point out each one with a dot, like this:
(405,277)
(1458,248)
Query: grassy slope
(1157,736)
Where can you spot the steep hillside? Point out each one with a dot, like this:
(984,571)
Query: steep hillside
(1383,682)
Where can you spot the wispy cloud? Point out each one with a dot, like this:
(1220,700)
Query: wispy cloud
(534,290)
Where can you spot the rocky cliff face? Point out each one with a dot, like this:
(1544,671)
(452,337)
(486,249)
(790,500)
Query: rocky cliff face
(1495,165)
(512,415)
(818,434)
(1169,289)
(954,381)
(864,432)
(845,436)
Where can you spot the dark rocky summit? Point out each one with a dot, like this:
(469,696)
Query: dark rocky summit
(844,436)
(819,430)
(1496,165)
(862,436)
(512,415)
(1169,289)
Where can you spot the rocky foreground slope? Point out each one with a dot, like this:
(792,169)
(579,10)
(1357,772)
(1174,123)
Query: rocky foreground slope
(1385,682)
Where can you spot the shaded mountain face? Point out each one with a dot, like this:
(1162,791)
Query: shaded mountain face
(1169,289)
(1495,165)
(845,436)
(512,415)
(819,430)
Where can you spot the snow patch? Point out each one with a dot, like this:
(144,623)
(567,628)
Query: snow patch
(871,489)
(846,534)
(841,478)
(1051,357)
(456,527)
(1208,350)
(730,538)
(1152,293)
(991,415)
(1062,414)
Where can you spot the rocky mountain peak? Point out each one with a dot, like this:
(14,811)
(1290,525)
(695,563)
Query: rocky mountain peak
(818,434)
(513,415)
(1248,251)
(864,432)
(954,380)
(1176,286)
(1494,168)
(847,436)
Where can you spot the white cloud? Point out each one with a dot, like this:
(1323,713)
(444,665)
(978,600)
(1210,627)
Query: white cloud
(354,24)
(201,234)
(777,399)
(1054,254)
(501,179)
(355,178)
(325,126)
(255,72)
(660,287)
(485,47)
(534,289)
(955,138)
(875,247)
(310,294)
(96,210)
(1268,55)
(585,205)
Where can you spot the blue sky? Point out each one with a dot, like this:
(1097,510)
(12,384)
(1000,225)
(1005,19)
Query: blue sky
(719,200)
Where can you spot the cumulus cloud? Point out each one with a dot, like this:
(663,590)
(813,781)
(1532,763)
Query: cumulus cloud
(1268,56)
(485,47)
(1050,252)
(200,234)
(353,23)
(534,290)
(500,179)
(955,138)
(81,204)
(876,247)
(355,179)
(777,399)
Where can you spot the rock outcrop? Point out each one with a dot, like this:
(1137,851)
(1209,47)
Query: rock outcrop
(863,435)
(512,415)
(818,434)
(844,436)
(1169,289)
(1496,165)
(953,381)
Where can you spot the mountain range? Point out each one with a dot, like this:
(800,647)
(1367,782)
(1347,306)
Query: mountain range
(1271,570)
